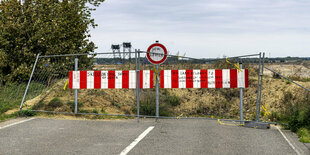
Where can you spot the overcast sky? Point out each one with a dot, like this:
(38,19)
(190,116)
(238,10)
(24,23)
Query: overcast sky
(206,28)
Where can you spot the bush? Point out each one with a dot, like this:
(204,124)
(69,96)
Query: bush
(102,110)
(304,135)
(296,110)
(115,104)
(53,104)
(95,111)
(173,100)
(25,113)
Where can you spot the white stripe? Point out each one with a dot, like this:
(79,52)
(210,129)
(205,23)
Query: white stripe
(90,80)
(182,78)
(136,141)
(118,79)
(76,80)
(196,79)
(167,78)
(146,78)
(132,79)
(241,79)
(211,78)
(226,78)
(104,79)
(291,145)
(16,123)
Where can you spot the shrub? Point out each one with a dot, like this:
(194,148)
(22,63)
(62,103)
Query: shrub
(95,111)
(173,100)
(296,110)
(102,110)
(304,135)
(54,103)
(274,116)
(24,113)
(115,104)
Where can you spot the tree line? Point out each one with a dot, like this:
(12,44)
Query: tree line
(30,27)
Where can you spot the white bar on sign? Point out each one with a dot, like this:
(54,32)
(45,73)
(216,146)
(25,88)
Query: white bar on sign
(104,79)
(146,78)
(211,78)
(132,79)
(118,79)
(76,80)
(90,79)
(196,79)
(167,78)
(226,78)
(182,78)
(241,78)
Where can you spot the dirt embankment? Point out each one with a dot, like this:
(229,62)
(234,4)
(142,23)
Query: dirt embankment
(222,103)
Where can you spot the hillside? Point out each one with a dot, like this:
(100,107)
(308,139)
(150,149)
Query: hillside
(222,103)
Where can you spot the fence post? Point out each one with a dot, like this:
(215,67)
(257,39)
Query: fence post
(258,84)
(157,93)
(76,91)
(34,66)
(138,83)
(261,85)
(241,100)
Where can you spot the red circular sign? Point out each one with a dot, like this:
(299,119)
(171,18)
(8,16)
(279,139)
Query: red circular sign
(157,53)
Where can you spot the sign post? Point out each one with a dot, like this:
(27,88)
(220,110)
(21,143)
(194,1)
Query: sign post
(157,92)
(157,54)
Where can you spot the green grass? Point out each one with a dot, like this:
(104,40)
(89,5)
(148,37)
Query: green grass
(304,135)
(11,96)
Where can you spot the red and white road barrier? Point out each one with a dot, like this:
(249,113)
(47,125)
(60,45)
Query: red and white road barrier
(109,79)
(211,78)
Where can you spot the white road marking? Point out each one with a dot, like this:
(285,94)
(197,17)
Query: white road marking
(26,120)
(137,140)
(292,146)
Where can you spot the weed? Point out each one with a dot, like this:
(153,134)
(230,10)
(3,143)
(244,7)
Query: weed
(71,104)
(173,100)
(304,135)
(53,104)
(85,111)
(274,116)
(95,111)
(102,110)
(25,113)
(115,104)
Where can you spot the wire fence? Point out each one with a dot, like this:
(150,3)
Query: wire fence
(48,90)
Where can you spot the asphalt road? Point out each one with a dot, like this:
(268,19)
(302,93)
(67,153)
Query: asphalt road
(51,136)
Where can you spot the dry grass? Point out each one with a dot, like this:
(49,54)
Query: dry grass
(222,103)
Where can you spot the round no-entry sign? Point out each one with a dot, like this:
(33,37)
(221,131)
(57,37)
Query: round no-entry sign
(156,53)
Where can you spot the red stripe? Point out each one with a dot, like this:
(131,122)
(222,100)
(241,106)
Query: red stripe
(70,79)
(151,78)
(203,78)
(125,79)
(111,79)
(83,79)
(189,78)
(174,78)
(233,78)
(246,78)
(218,78)
(162,84)
(97,79)
(141,78)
